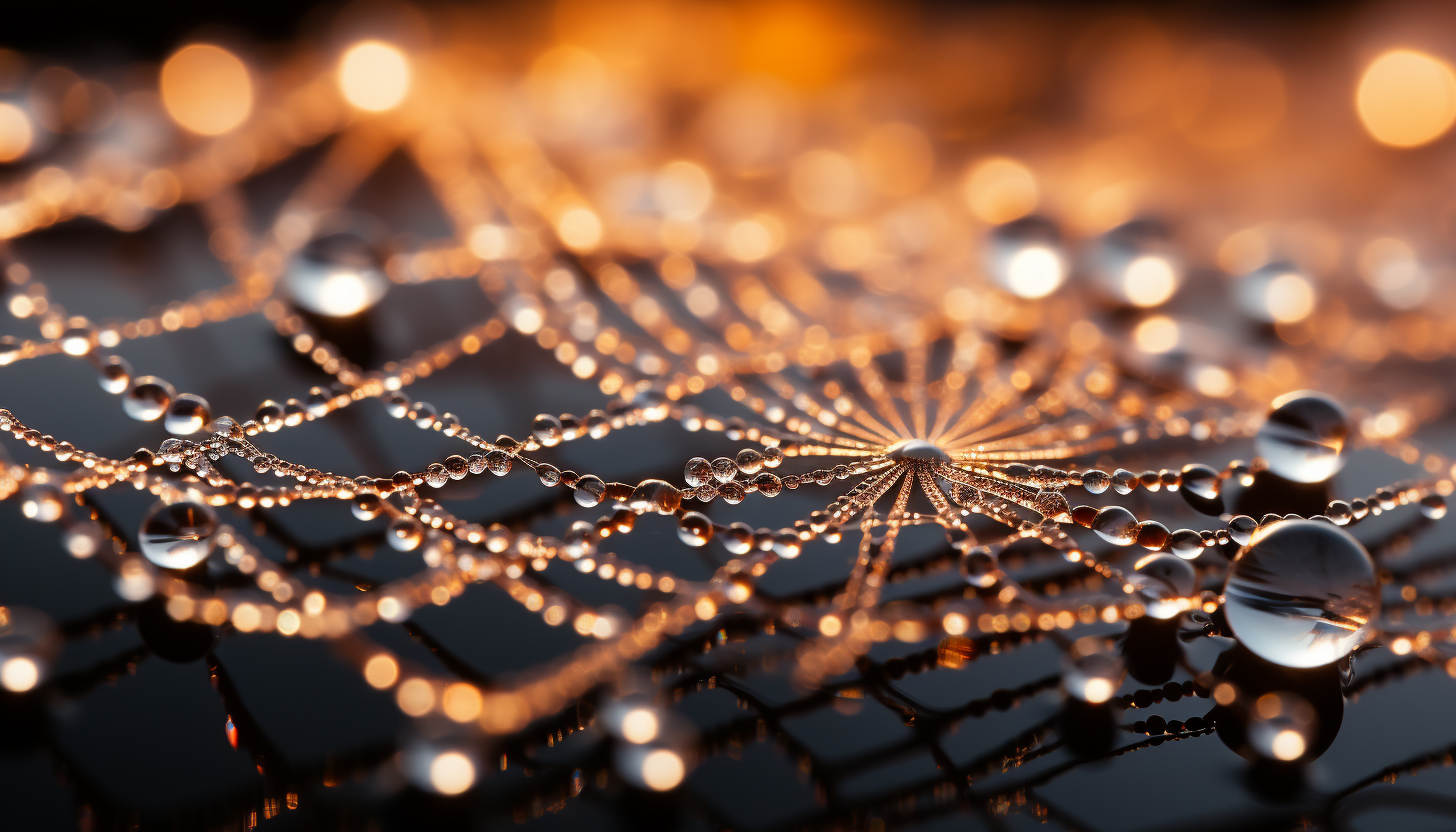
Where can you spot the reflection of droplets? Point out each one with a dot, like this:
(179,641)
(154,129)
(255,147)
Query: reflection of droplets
(29,642)
(337,275)
(1162,582)
(979,567)
(1304,437)
(1281,726)
(1302,593)
(177,535)
(1091,672)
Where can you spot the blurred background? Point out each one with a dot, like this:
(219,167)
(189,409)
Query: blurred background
(859,136)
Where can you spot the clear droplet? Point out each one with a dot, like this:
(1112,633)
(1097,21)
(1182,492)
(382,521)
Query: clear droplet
(186,415)
(405,534)
(114,376)
(366,507)
(1199,480)
(177,535)
(1241,528)
(724,469)
(1301,593)
(1162,582)
(654,496)
(1433,506)
(738,538)
(979,567)
(1186,543)
(547,430)
(748,461)
(147,398)
(1096,482)
(1116,524)
(698,472)
(1304,438)
(337,274)
(83,539)
(1134,265)
(695,529)
(589,491)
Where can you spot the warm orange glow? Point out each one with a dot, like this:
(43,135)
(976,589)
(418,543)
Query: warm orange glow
(19,674)
(452,773)
(1000,190)
(374,76)
(1407,98)
(1227,96)
(662,770)
(206,89)
(16,133)
(381,671)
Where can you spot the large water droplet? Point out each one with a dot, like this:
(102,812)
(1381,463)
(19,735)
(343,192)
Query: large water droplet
(1116,524)
(147,398)
(1302,593)
(177,535)
(919,449)
(186,415)
(1304,437)
(337,274)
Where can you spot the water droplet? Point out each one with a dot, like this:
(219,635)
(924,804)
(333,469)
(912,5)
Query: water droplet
(177,535)
(1163,580)
(1096,482)
(580,540)
(186,415)
(337,274)
(980,568)
(405,534)
(1124,481)
(654,495)
(499,463)
(366,507)
(919,449)
(738,538)
(1186,543)
(695,529)
(724,469)
(1433,506)
(1134,265)
(114,375)
(1241,528)
(147,398)
(748,461)
(698,472)
(1304,437)
(1301,593)
(589,491)
(547,430)
(1199,480)
(1116,524)
(1025,256)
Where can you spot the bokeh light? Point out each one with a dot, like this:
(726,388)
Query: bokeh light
(374,76)
(1406,98)
(16,133)
(206,89)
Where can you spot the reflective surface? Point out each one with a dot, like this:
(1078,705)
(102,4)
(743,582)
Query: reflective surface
(1301,593)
